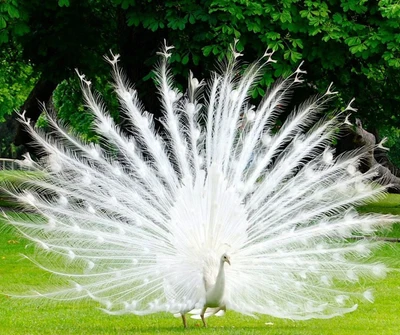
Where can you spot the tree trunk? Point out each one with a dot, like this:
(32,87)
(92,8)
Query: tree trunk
(374,156)
(41,93)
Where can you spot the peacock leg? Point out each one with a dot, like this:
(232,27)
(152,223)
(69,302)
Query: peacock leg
(202,316)
(184,321)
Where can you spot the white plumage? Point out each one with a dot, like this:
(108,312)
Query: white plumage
(148,224)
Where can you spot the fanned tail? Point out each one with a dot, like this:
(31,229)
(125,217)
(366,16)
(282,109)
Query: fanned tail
(140,223)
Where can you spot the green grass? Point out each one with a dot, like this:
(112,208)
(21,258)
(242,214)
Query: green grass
(390,204)
(39,317)
(15,178)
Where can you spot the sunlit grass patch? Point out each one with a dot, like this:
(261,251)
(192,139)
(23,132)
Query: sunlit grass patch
(40,317)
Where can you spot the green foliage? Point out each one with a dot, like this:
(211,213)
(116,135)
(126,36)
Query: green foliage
(68,105)
(63,3)
(393,143)
(353,43)
(13,20)
(16,81)
(57,36)
(70,108)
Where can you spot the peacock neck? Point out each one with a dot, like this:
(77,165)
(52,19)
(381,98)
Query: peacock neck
(214,297)
(220,281)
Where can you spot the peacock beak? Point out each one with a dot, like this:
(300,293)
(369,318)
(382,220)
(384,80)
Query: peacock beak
(228,261)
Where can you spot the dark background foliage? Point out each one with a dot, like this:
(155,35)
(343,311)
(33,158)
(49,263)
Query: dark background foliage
(353,43)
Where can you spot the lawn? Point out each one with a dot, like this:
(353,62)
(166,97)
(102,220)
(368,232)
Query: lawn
(23,316)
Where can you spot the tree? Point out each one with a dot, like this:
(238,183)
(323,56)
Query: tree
(353,43)
(16,81)
(54,38)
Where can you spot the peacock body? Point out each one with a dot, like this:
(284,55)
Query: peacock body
(148,223)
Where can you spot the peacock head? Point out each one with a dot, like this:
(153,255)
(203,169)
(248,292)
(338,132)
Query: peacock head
(226,258)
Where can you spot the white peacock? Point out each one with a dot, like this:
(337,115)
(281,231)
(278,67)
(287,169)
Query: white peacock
(153,228)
